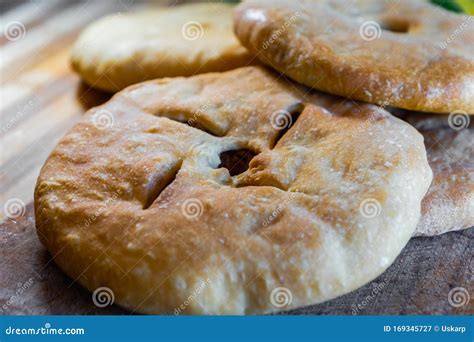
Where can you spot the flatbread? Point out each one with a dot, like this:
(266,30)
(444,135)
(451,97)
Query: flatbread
(123,49)
(406,53)
(142,197)
(449,141)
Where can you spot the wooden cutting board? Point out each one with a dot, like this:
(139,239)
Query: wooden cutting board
(40,98)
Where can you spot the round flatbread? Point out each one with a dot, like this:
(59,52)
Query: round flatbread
(449,202)
(123,49)
(245,196)
(407,53)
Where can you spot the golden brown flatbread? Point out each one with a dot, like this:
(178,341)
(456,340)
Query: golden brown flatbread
(144,196)
(406,53)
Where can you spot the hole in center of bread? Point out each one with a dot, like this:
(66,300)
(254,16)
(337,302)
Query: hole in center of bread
(397,25)
(236,161)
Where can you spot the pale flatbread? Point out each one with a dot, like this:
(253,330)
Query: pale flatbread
(123,49)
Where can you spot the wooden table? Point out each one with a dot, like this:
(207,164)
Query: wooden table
(41,98)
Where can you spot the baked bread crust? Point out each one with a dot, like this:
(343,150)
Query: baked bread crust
(449,202)
(347,48)
(120,50)
(141,206)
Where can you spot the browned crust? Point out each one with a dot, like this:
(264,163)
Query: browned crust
(322,44)
(142,207)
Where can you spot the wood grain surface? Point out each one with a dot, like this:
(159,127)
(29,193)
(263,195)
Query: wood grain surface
(40,98)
